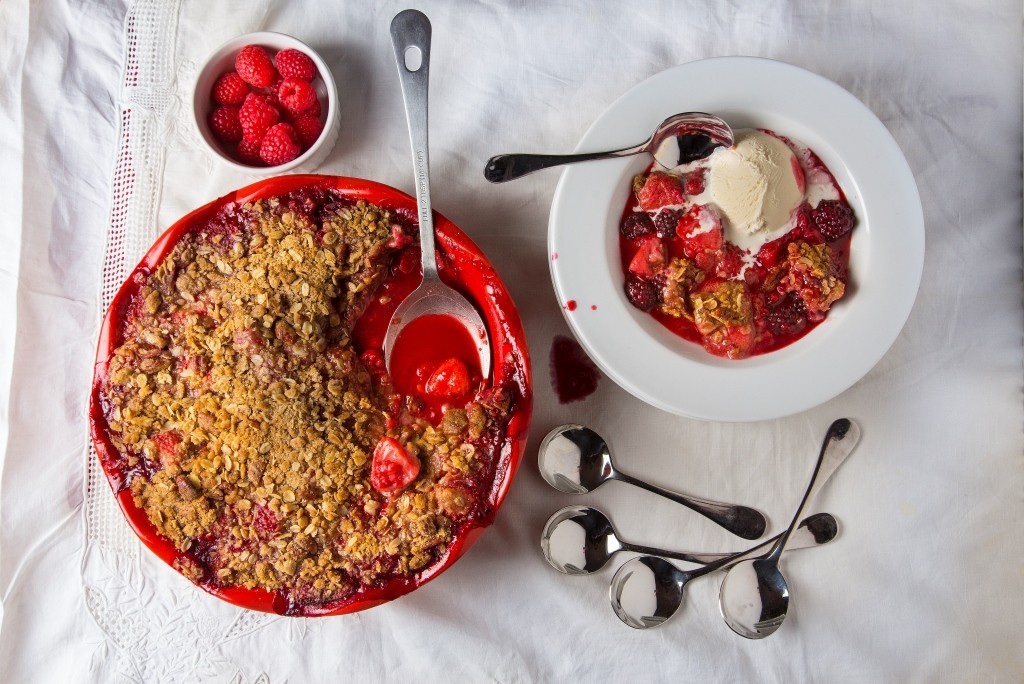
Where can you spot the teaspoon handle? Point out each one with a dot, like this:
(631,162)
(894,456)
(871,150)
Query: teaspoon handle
(506,167)
(743,521)
(842,436)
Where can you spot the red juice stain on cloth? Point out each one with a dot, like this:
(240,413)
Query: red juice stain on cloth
(573,375)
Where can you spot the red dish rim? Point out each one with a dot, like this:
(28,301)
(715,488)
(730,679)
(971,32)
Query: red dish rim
(473,274)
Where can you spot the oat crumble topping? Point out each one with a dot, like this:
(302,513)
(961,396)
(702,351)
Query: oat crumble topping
(247,420)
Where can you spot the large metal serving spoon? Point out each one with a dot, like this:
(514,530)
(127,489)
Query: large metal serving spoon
(574,459)
(647,590)
(679,139)
(579,540)
(410,35)
(754,597)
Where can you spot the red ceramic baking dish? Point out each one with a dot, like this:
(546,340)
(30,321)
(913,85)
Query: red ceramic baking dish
(462,265)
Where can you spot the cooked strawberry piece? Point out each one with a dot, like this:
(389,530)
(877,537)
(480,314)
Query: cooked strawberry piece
(393,468)
(728,261)
(700,229)
(449,380)
(695,182)
(649,257)
(399,238)
(659,190)
(167,443)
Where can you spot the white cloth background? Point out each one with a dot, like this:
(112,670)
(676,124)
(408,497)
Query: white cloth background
(926,580)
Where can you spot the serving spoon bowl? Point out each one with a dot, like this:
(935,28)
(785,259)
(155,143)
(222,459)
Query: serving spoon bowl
(679,139)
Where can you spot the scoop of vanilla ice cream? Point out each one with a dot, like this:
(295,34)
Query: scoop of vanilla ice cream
(754,184)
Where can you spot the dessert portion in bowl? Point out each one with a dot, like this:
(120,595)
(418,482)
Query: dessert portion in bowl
(744,251)
(244,416)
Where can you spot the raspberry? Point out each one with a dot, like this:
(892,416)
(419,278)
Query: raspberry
(230,89)
(248,152)
(636,224)
(254,66)
(308,128)
(225,124)
(257,115)
(641,293)
(294,64)
(296,96)
(279,145)
(665,222)
(833,219)
(788,317)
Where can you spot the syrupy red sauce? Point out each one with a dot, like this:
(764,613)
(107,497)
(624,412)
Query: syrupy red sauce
(461,265)
(754,276)
(574,376)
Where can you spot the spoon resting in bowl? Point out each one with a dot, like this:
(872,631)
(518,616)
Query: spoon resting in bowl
(410,35)
(679,139)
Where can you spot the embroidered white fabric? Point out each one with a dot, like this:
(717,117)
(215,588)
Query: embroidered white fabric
(919,585)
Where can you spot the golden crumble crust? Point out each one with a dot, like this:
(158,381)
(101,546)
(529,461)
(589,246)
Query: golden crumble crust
(248,419)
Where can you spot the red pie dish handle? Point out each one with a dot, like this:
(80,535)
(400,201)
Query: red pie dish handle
(467,268)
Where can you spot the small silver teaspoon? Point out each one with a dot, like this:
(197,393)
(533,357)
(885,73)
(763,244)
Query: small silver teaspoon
(410,35)
(679,139)
(754,597)
(647,590)
(574,459)
(579,540)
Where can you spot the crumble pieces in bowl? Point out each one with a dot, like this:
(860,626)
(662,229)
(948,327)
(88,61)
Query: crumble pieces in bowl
(243,415)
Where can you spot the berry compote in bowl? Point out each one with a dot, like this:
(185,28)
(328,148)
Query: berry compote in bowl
(759,282)
(246,422)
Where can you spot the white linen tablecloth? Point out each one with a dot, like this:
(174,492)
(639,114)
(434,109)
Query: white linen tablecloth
(924,584)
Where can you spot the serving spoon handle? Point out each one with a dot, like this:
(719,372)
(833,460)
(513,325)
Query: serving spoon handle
(410,32)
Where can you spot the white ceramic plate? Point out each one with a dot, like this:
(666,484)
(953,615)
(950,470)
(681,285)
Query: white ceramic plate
(886,259)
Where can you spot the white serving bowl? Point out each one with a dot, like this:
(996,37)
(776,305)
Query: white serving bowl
(673,374)
(223,60)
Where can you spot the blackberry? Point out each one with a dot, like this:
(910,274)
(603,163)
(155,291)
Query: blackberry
(636,224)
(788,317)
(666,221)
(833,219)
(641,293)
